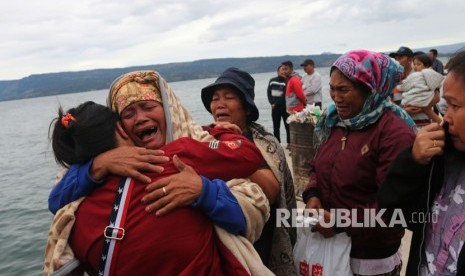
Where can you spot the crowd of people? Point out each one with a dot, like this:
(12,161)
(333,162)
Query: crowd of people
(145,190)
(289,93)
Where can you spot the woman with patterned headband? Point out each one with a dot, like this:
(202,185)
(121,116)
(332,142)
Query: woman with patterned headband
(112,233)
(356,139)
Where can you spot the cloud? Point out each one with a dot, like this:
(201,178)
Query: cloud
(53,35)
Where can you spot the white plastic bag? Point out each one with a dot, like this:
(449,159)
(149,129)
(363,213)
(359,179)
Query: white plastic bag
(316,256)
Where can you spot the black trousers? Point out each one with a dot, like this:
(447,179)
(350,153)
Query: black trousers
(277,113)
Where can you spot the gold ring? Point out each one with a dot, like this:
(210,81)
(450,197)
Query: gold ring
(164,190)
(435,143)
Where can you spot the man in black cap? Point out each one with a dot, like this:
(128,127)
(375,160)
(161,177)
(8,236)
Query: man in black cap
(311,83)
(405,58)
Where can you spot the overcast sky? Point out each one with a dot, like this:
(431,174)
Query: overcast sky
(58,35)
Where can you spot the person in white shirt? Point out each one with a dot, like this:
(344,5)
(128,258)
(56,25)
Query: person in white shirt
(311,83)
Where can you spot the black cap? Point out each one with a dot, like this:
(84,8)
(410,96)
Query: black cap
(241,81)
(404,51)
(307,62)
(288,63)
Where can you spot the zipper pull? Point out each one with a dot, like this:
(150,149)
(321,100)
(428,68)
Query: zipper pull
(343,140)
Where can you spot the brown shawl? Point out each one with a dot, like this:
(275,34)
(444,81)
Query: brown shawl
(284,238)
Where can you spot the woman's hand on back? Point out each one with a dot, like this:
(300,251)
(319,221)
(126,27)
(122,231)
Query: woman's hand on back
(178,190)
(128,161)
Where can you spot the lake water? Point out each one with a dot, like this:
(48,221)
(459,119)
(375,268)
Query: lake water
(28,169)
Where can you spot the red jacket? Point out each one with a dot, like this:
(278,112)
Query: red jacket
(350,178)
(180,243)
(295,97)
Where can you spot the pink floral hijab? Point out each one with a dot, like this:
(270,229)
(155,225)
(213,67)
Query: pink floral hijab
(379,73)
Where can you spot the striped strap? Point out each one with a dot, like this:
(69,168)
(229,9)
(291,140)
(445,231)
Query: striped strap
(115,232)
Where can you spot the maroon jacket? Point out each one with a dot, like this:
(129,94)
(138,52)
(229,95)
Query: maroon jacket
(350,178)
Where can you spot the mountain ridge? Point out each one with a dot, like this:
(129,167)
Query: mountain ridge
(47,84)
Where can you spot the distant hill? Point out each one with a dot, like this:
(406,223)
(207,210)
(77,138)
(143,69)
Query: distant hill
(39,85)
(445,50)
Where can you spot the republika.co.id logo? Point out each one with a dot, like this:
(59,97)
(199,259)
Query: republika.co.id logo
(341,218)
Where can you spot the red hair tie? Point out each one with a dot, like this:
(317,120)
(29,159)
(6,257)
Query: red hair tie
(66,118)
